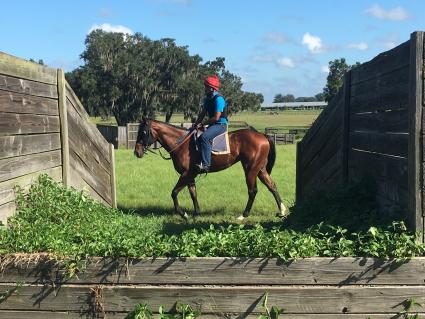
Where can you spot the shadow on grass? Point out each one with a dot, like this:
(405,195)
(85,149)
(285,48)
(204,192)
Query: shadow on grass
(352,207)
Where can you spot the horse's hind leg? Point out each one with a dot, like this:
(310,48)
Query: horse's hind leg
(193,195)
(181,183)
(251,183)
(267,180)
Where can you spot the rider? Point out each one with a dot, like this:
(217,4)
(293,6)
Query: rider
(215,106)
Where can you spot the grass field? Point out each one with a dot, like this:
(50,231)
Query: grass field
(144,186)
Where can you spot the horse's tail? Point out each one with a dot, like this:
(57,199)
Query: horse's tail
(271,158)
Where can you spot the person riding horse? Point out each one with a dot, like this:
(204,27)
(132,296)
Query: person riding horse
(215,106)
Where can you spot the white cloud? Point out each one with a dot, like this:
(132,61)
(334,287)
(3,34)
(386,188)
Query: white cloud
(395,14)
(313,43)
(275,37)
(362,46)
(111,28)
(286,62)
(325,69)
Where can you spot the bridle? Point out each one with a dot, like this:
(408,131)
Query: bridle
(148,140)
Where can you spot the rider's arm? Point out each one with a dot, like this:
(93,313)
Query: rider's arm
(215,118)
(200,117)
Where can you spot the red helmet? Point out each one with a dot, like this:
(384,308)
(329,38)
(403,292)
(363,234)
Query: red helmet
(212,81)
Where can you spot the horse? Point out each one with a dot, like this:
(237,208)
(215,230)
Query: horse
(254,150)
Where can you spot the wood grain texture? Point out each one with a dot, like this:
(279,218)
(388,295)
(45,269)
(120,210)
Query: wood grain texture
(12,124)
(13,66)
(221,271)
(21,103)
(11,84)
(6,188)
(395,144)
(18,166)
(415,174)
(394,121)
(17,145)
(384,63)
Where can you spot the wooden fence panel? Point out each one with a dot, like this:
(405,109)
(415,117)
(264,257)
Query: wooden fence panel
(89,155)
(29,127)
(381,130)
(306,288)
(35,102)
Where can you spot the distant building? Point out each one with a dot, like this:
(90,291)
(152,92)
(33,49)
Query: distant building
(294,106)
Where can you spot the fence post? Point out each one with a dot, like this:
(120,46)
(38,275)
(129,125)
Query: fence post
(113,180)
(274,138)
(414,160)
(346,127)
(63,114)
(128,135)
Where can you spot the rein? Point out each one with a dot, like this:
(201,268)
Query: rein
(178,144)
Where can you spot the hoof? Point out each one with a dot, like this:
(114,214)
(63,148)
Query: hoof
(184,216)
(240,218)
(196,215)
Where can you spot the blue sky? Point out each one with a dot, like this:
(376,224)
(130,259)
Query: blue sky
(274,46)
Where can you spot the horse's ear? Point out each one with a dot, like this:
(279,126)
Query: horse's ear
(143,119)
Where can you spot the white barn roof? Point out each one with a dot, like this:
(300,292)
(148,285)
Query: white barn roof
(294,104)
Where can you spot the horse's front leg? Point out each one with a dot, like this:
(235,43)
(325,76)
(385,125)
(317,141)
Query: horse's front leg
(181,183)
(193,195)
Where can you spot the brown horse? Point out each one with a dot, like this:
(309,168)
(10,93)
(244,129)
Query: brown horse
(255,151)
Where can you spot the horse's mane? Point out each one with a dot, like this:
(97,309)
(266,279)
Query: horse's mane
(170,125)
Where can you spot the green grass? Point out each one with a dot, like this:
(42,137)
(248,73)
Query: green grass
(144,186)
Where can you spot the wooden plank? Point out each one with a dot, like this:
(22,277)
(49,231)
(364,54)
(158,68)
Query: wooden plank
(90,165)
(12,84)
(387,79)
(6,210)
(345,126)
(331,129)
(101,188)
(18,166)
(77,182)
(6,188)
(378,165)
(116,315)
(414,214)
(13,66)
(336,103)
(386,121)
(20,103)
(79,109)
(330,154)
(321,170)
(8,314)
(86,148)
(248,299)
(113,178)
(64,128)
(226,271)
(17,145)
(385,62)
(96,138)
(11,124)
(388,173)
(392,98)
(395,144)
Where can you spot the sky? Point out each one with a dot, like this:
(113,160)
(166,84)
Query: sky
(275,46)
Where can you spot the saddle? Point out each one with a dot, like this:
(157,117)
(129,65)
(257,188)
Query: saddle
(220,143)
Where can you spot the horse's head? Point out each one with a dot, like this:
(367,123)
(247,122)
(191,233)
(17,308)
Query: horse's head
(144,138)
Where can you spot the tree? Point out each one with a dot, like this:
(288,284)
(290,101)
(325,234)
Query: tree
(320,97)
(335,79)
(279,98)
